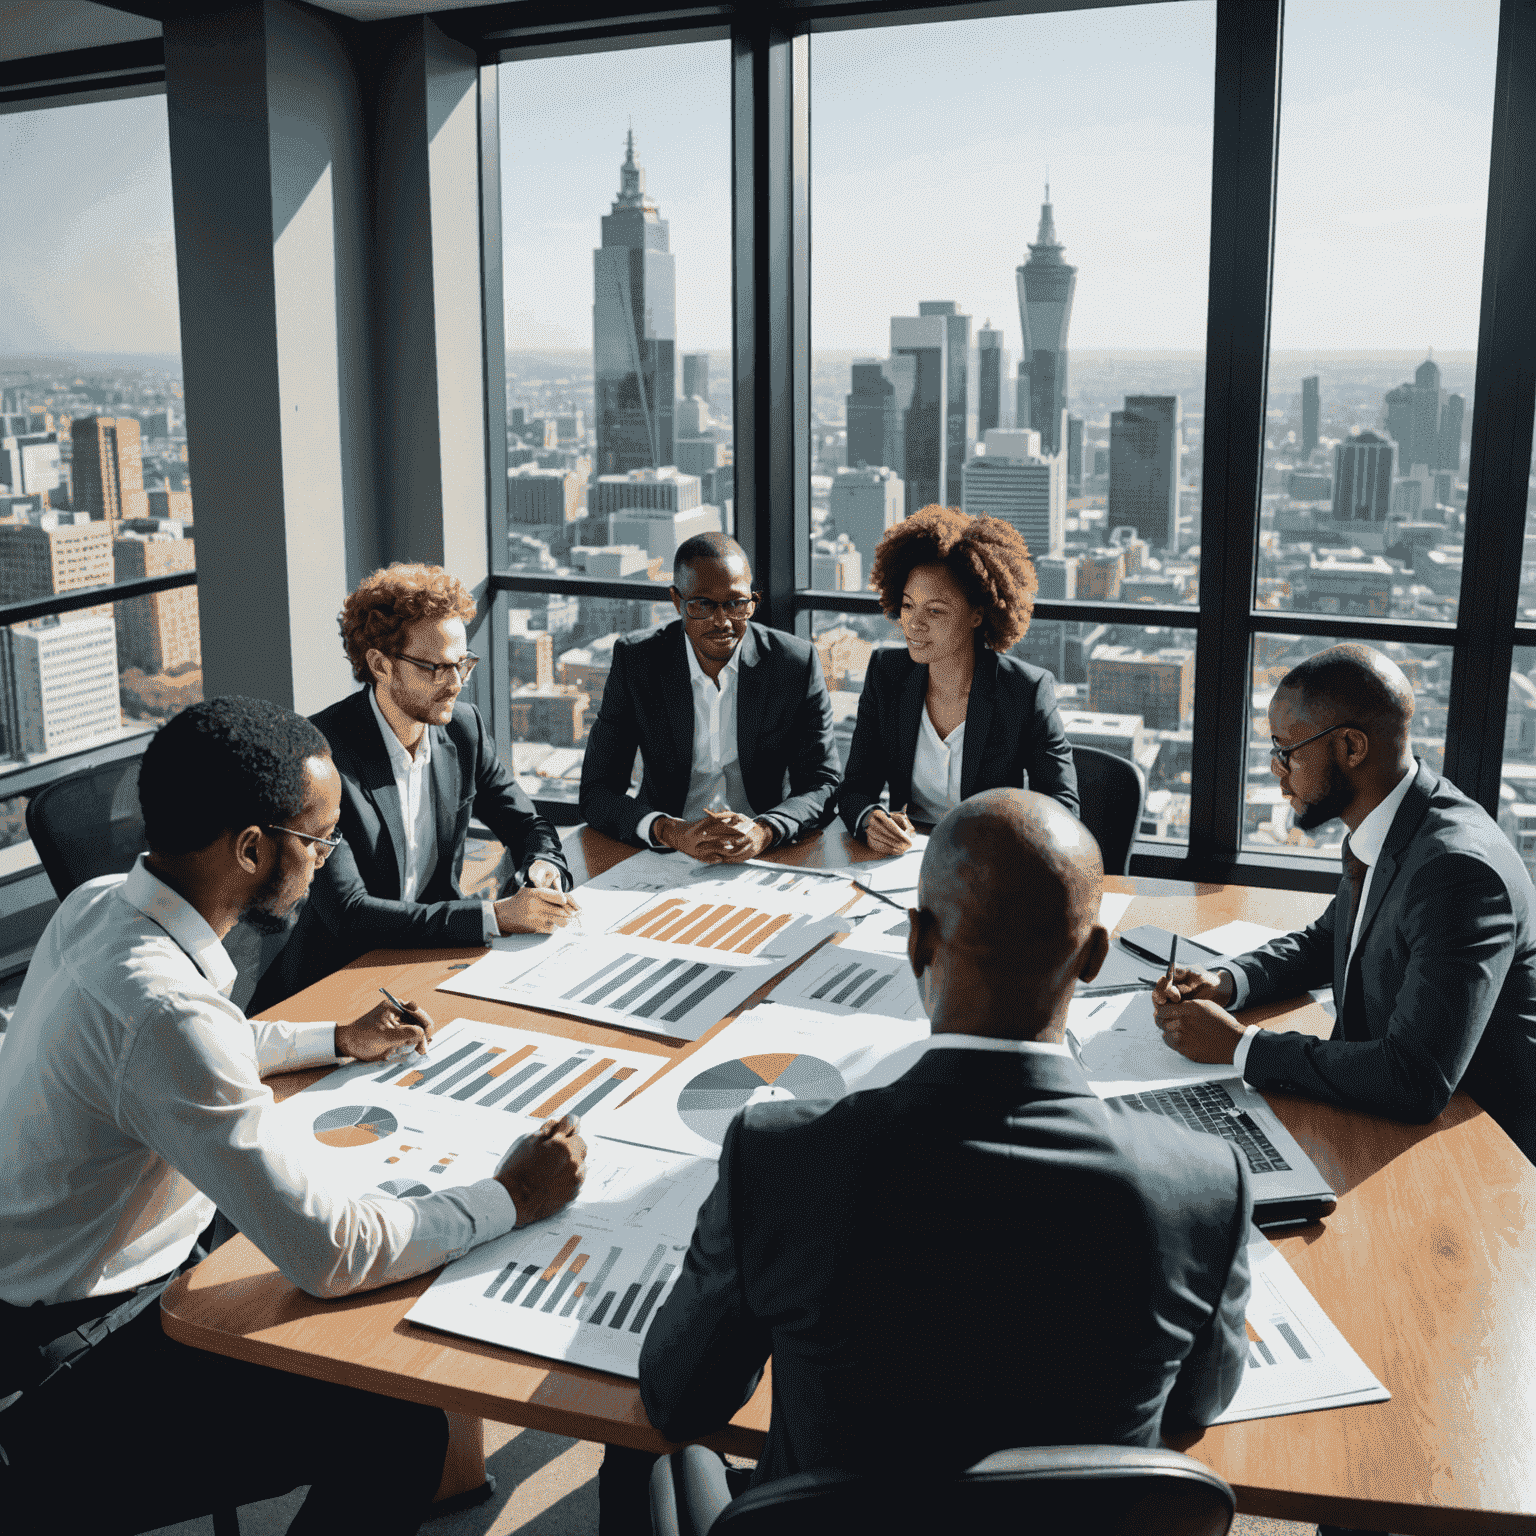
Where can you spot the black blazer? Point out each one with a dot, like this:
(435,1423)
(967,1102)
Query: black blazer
(783,731)
(354,904)
(1014,738)
(1441,991)
(981,1255)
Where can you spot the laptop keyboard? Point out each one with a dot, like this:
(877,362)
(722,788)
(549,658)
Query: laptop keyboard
(1210,1108)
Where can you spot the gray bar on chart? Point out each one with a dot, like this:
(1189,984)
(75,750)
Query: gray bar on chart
(693,999)
(570,1306)
(428,1073)
(500,1280)
(520,1282)
(622,1003)
(602,1308)
(501,1090)
(657,1000)
(566,1281)
(827,986)
(1263,1349)
(862,979)
(463,1072)
(650,1299)
(598,1094)
(617,1320)
(548,1080)
(587,981)
(864,997)
(535,1292)
(644,963)
(598,1281)
(1288,1333)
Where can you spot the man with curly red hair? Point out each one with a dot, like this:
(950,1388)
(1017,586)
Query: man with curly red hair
(416,761)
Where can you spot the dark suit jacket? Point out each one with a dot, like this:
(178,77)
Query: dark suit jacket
(1441,992)
(981,1255)
(783,728)
(1013,733)
(354,904)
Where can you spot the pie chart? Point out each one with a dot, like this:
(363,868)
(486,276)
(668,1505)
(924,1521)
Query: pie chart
(709,1103)
(404,1187)
(354,1125)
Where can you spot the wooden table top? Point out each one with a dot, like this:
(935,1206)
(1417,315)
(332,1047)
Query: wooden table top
(1428,1267)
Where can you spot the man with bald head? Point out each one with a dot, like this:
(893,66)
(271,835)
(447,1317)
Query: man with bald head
(731,719)
(1428,945)
(982,1254)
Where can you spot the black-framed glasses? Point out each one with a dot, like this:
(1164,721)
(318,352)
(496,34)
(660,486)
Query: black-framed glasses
(330,844)
(464,666)
(733,608)
(1283,754)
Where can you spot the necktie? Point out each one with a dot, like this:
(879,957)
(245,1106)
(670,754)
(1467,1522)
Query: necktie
(1355,870)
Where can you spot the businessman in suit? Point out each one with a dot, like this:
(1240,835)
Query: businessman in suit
(1429,944)
(731,719)
(1107,1248)
(416,762)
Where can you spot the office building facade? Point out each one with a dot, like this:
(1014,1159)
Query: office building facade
(48,554)
(634,330)
(1046,285)
(1311,412)
(862,505)
(877,403)
(159,632)
(924,341)
(991,379)
(696,375)
(1146,455)
(58,684)
(1157,685)
(1363,467)
(1013,481)
(108,468)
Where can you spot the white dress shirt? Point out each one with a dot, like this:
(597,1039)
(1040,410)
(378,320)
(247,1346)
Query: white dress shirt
(716,769)
(1366,843)
(418,811)
(936,771)
(131,1102)
(950,1042)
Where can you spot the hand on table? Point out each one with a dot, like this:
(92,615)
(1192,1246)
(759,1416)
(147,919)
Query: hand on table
(544,875)
(1188,1009)
(544,1171)
(385,1032)
(716,838)
(535,909)
(888,834)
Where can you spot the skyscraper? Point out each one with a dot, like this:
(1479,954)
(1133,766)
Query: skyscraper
(696,375)
(1425,423)
(108,468)
(877,408)
(959,424)
(1013,482)
(924,339)
(1074,455)
(1450,434)
(1046,285)
(634,330)
(58,683)
(1428,400)
(991,370)
(864,503)
(158,633)
(1362,479)
(1311,412)
(1146,450)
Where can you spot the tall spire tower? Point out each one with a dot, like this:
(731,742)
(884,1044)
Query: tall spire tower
(1046,285)
(634,330)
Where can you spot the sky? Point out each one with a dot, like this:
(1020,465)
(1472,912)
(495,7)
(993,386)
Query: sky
(930,146)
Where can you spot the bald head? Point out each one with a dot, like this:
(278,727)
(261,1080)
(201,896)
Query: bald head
(1353,684)
(1008,919)
(704,547)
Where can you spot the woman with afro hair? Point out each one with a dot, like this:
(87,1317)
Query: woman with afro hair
(953,713)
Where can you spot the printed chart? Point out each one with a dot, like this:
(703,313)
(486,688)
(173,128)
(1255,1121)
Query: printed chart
(585,1285)
(817,893)
(1120,1048)
(840,980)
(1297,1359)
(770,1053)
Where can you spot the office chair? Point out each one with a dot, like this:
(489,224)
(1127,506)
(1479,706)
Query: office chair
(87,824)
(1084,1490)
(1111,791)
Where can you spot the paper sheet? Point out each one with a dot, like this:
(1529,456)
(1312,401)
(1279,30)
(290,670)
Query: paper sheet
(1113,906)
(838,983)
(818,893)
(585,1284)
(1297,1359)
(1237,938)
(1120,1048)
(768,1053)
(894,876)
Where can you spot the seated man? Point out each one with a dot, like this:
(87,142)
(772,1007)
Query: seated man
(722,711)
(415,762)
(1075,1271)
(131,1101)
(1429,944)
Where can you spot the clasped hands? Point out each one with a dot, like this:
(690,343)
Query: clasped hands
(888,834)
(717,837)
(1191,1011)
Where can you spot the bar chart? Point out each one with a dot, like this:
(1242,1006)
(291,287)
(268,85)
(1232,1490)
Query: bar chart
(839,980)
(735,926)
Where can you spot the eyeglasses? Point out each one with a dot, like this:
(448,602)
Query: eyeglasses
(437,668)
(706,608)
(330,844)
(1283,754)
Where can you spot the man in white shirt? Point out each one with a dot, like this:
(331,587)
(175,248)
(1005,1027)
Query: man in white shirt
(1429,945)
(416,762)
(131,1103)
(732,721)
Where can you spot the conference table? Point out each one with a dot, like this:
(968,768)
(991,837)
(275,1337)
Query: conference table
(1427,1266)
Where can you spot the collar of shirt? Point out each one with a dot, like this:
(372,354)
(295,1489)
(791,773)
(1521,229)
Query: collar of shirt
(954,1042)
(1370,837)
(745,654)
(399,756)
(185,924)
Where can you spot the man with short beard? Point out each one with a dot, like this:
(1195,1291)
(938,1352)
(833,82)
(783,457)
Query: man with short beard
(1429,944)
(132,1101)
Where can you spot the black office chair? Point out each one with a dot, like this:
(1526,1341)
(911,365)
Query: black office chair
(1085,1490)
(87,824)
(1112,792)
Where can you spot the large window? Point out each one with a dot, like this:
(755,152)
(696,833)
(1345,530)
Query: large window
(95,486)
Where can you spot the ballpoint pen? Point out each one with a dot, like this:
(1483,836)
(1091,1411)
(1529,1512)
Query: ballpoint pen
(878,895)
(403,1009)
(1173,955)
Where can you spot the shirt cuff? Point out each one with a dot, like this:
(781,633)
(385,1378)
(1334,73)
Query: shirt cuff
(490,1207)
(862,820)
(488,924)
(1240,1055)
(643,829)
(287,1047)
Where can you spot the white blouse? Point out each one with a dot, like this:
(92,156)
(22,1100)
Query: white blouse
(936,771)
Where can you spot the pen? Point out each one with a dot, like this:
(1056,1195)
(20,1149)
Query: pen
(878,895)
(1173,955)
(403,1009)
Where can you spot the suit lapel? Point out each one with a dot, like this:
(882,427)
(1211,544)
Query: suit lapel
(909,721)
(978,719)
(376,778)
(677,702)
(445,781)
(750,691)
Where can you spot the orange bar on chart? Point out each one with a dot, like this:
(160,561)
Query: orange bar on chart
(570,1090)
(511,1061)
(409,1080)
(759,939)
(691,930)
(744,940)
(674,924)
(646,918)
(714,938)
(579,1263)
(571,1245)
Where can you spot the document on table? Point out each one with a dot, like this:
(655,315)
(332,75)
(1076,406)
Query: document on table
(1120,1048)
(893,876)
(770,1053)
(1297,1359)
(585,1284)
(838,980)
(423,1123)
(819,892)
